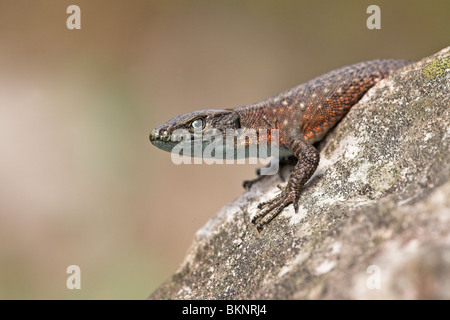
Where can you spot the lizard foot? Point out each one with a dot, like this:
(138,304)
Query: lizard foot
(247,184)
(270,209)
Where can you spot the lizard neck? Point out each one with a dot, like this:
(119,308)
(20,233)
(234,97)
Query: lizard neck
(253,116)
(261,115)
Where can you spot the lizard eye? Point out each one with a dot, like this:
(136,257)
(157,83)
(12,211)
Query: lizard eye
(198,124)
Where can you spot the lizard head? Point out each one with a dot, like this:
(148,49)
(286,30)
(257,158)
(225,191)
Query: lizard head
(193,126)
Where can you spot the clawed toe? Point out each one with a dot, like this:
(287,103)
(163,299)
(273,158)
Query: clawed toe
(270,209)
(271,201)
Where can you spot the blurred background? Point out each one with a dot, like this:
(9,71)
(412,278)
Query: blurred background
(81,183)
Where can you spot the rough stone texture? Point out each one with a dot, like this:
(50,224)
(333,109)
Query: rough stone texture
(377,208)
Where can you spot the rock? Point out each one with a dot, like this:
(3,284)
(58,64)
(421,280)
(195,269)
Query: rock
(374,220)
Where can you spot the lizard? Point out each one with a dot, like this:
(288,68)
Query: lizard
(302,115)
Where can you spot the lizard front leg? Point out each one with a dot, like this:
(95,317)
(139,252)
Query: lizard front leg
(291,161)
(308,159)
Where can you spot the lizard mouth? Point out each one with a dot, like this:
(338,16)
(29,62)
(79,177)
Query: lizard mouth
(230,145)
(190,144)
(166,141)
(162,140)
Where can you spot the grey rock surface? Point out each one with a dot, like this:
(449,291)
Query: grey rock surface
(374,220)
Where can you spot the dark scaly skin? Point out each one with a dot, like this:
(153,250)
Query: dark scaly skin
(303,115)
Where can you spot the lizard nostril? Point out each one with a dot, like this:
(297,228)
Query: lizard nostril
(158,134)
(154,135)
